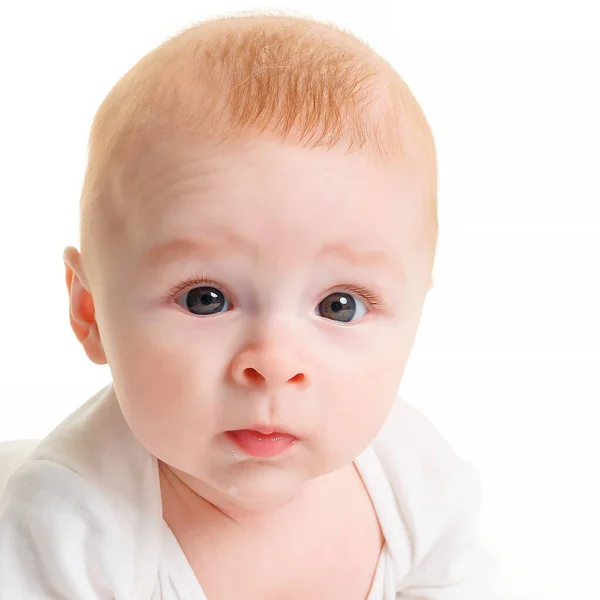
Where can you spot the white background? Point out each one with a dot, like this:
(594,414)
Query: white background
(507,360)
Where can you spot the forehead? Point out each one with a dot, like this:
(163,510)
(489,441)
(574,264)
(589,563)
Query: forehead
(272,193)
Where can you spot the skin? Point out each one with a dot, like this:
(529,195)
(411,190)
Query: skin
(271,357)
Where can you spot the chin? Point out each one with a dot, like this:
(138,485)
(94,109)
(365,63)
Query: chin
(258,485)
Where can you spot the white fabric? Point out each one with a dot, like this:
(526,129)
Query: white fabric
(12,454)
(81,518)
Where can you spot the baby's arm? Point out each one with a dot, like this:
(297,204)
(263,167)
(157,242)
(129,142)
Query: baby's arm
(57,538)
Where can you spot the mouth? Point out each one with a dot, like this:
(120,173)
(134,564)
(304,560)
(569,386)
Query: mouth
(262,441)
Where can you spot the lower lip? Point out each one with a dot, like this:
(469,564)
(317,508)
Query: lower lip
(260,444)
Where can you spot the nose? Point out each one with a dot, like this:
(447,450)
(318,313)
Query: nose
(265,367)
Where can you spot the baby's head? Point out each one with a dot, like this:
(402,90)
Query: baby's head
(258,233)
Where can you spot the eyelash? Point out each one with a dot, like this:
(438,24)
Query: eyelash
(373,299)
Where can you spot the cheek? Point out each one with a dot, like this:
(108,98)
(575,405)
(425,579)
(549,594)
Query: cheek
(360,404)
(167,380)
(360,393)
(162,355)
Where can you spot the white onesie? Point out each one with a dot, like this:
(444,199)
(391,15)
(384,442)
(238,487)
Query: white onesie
(81,518)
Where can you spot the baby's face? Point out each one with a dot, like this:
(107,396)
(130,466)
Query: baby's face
(261,285)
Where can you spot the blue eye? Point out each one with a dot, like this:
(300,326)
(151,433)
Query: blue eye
(341,306)
(204,300)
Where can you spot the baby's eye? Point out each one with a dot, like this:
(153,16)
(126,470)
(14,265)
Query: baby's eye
(204,300)
(341,306)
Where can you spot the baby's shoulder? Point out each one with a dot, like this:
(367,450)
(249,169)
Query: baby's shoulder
(55,528)
(429,479)
(87,495)
(437,511)
(89,470)
(42,488)
(63,466)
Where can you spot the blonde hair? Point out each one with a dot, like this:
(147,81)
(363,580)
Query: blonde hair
(290,77)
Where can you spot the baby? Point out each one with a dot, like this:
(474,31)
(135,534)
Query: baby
(258,231)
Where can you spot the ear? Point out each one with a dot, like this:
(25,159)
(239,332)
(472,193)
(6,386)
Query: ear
(81,307)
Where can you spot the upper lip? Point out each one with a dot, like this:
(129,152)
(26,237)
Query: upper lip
(269,429)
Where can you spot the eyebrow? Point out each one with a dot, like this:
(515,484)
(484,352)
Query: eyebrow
(229,242)
(364,258)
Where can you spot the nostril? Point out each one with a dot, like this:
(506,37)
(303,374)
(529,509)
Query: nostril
(253,375)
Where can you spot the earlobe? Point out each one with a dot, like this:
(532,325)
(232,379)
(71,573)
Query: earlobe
(82,311)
